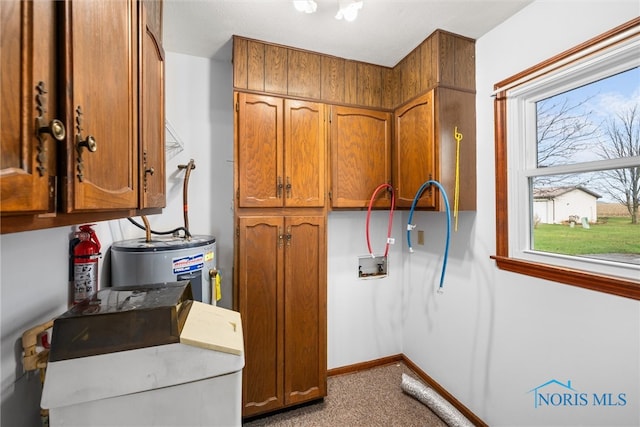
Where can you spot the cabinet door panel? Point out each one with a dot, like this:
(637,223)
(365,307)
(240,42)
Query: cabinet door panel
(414,152)
(151,73)
(101,67)
(27,42)
(260,292)
(360,155)
(304,153)
(305,309)
(259,151)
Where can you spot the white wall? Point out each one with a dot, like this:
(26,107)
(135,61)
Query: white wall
(493,336)
(364,315)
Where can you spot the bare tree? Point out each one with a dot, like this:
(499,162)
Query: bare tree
(562,130)
(622,133)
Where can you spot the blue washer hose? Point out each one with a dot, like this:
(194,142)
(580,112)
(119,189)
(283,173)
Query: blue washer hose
(448,210)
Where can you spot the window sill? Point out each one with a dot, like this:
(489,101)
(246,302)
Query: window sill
(607,284)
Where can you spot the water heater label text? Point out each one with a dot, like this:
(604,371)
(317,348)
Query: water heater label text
(187,263)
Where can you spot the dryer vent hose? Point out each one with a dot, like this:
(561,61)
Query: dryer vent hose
(432,400)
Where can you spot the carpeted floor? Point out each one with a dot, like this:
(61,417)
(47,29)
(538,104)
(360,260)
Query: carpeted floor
(373,397)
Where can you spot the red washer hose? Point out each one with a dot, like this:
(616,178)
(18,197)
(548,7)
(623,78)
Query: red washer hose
(390,224)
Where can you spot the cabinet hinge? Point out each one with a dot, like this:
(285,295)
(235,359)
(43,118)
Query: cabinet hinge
(237,231)
(330,196)
(237,106)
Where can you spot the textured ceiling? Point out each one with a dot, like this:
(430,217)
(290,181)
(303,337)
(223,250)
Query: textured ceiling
(385,31)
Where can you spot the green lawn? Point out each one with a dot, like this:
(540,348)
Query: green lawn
(617,235)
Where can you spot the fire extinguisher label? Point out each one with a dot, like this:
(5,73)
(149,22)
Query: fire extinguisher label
(85,275)
(188,263)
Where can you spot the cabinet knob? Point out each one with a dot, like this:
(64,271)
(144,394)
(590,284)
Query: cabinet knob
(55,128)
(89,142)
(149,171)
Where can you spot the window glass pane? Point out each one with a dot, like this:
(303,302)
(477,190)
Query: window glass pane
(597,121)
(593,214)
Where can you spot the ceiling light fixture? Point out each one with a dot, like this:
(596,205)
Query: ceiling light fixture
(306,6)
(348,9)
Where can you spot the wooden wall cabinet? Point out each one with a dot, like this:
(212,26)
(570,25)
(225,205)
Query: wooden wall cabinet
(100,109)
(442,59)
(29,89)
(151,170)
(106,98)
(281,264)
(425,148)
(360,156)
(265,67)
(282,152)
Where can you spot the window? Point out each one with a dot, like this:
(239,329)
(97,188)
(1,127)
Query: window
(568,166)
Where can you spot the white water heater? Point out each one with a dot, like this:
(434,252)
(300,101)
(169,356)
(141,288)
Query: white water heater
(166,259)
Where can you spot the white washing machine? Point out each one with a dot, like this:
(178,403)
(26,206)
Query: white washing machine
(167,374)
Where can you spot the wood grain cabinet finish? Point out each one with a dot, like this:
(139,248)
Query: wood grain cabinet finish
(101,104)
(151,170)
(282,300)
(414,151)
(281,150)
(360,156)
(279,70)
(425,148)
(28,80)
(101,66)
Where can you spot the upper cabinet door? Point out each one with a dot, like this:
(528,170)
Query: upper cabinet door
(414,152)
(259,150)
(29,95)
(360,156)
(101,109)
(151,70)
(304,153)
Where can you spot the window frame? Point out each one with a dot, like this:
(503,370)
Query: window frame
(509,260)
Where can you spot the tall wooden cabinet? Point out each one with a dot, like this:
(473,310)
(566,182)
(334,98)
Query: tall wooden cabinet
(360,156)
(280,163)
(97,67)
(281,263)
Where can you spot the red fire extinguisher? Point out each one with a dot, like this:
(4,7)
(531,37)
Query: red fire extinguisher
(85,263)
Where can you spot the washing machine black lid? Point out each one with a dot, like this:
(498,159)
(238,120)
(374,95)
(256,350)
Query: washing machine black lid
(162,244)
